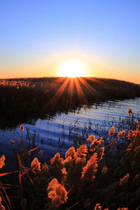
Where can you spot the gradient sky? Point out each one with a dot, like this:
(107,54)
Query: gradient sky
(37,35)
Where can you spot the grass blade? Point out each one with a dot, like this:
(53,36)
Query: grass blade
(31,150)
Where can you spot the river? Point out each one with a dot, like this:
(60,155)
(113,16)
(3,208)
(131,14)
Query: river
(57,134)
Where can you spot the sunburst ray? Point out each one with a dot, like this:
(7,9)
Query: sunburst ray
(55,99)
(81,95)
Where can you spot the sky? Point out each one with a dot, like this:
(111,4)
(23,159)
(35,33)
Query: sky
(36,36)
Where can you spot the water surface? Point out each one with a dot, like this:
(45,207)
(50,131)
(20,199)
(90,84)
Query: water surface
(57,134)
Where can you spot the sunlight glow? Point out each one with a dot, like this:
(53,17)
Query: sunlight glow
(74,88)
(73,68)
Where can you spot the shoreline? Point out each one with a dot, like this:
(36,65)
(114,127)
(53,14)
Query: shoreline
(33,98)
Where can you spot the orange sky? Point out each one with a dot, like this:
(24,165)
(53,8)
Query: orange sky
(96,67)
(37,36)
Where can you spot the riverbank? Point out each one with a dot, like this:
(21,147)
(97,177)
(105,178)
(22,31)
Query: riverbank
(101,173)
(33,98)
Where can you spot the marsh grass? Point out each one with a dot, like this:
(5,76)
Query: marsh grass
(25,99)
(95,173)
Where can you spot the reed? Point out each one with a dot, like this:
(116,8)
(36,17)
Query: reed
(30,98)
(100,172)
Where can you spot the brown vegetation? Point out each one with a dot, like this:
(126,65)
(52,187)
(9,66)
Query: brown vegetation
(106,177)
(24,99)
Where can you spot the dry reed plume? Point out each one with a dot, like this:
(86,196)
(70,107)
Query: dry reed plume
(96,175)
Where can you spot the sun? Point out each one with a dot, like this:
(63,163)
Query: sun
(73,68)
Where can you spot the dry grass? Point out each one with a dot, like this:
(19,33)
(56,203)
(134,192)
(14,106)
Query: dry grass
(96,175)
(22,99)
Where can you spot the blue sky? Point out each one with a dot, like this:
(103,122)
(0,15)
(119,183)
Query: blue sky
(35,35)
